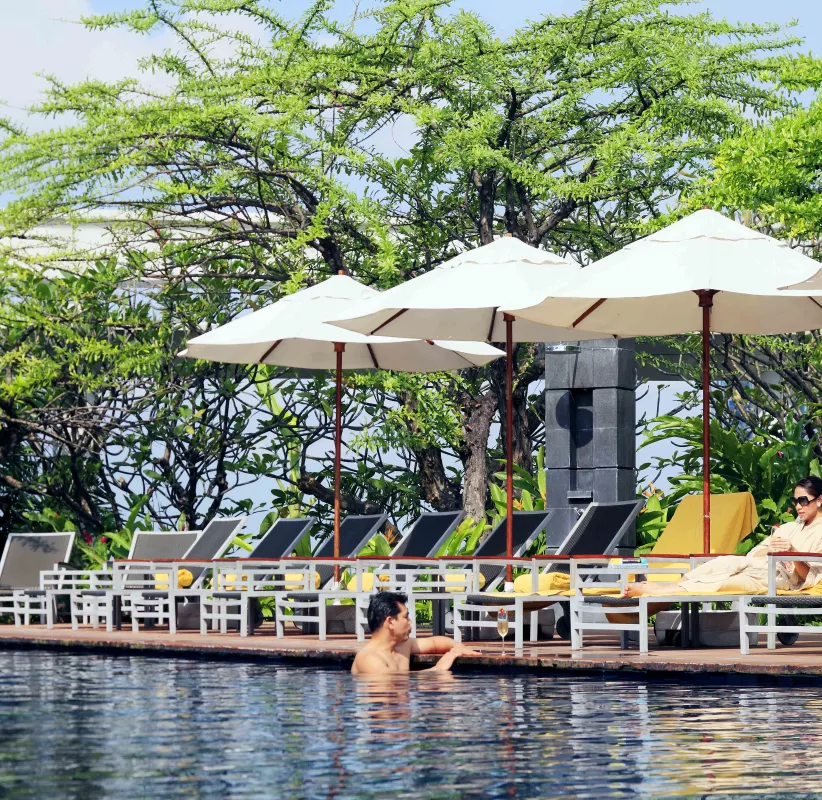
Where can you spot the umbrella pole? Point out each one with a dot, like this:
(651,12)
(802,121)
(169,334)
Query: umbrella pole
(706,301)
(339,348)
(509,448)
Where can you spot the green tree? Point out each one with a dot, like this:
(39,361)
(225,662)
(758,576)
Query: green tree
(742,460)
(262,167)
(764,388)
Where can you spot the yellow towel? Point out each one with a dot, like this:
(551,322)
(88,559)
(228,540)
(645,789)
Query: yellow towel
(811,590)
(226,582)
(548,582)
(184,579)
(294,581)
(514,595)
(367,582)
(459,582)
(675,592)
(733,517)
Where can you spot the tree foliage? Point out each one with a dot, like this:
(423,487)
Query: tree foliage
(764,389)
(269,162)
(756,461)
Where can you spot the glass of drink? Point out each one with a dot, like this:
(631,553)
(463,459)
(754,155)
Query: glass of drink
(502,625)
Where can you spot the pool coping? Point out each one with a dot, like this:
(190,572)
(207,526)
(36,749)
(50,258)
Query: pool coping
(592,666)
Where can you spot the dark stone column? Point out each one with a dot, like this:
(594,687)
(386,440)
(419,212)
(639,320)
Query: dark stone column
(590,418)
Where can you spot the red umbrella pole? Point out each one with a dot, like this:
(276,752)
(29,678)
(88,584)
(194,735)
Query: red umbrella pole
(509,444)
(339,349)
(706,301)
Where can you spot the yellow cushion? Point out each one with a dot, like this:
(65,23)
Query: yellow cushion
(367,582)
(548,582)
(184,579)
(733,517)
(226,582)
(816,589)
(294,581)
(460,581)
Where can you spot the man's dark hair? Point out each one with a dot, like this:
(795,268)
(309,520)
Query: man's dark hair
(382,606)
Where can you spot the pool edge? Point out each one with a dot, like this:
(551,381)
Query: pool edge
(589,666)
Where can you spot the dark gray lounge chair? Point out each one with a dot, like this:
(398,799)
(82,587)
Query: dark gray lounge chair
(428,534)
(527,526)
(147,545)
(94,605)
(224,607)
(425,539)
(24,557)
(282,538)
(598,531)
(355,533)
(160,605)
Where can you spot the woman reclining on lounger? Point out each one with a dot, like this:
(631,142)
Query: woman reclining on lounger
(749,574)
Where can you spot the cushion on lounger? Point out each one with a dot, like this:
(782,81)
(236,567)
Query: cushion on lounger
(548,582)
(184,579)
(226,582)
(811,590)
(294,581)
(733,517)
(459,582)
(367,582)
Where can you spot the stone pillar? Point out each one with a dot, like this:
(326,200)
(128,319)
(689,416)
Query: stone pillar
(590,434)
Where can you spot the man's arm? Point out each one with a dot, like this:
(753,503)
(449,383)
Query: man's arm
(432,645)
(447,661)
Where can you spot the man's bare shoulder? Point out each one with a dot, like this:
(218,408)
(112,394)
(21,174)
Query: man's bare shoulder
(407,647)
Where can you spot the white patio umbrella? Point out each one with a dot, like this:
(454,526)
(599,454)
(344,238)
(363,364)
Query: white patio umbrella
(462,298)
(293,333)
(704,272)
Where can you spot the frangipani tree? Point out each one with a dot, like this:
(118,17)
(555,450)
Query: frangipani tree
(269,135)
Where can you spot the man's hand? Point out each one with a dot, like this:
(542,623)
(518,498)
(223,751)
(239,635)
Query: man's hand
(447,661)
(461,650)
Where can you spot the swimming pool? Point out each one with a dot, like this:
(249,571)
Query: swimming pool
(81,726)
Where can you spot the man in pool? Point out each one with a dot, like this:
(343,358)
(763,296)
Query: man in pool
(391,644)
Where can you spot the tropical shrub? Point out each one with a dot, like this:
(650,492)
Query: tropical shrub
(742,460)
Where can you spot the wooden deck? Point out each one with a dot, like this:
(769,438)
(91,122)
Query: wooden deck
(802,661)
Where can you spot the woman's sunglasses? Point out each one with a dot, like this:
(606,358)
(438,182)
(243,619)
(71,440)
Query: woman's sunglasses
(803,501)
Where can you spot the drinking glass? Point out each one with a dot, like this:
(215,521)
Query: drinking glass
(502,625)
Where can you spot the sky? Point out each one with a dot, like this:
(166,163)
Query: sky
(38,36)
(41,36)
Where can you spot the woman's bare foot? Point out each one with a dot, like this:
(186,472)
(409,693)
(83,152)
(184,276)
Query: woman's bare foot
(634,590)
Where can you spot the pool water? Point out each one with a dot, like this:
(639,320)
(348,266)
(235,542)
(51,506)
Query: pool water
(80,726)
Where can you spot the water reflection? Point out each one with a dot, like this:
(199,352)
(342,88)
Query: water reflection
(94,727)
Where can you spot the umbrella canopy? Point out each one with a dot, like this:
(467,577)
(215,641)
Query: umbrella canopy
(704,272)
(648,287)
(293,333)
(462,298)
(806,287)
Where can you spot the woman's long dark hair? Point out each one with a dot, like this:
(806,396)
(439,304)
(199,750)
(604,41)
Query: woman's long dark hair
(811,484)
